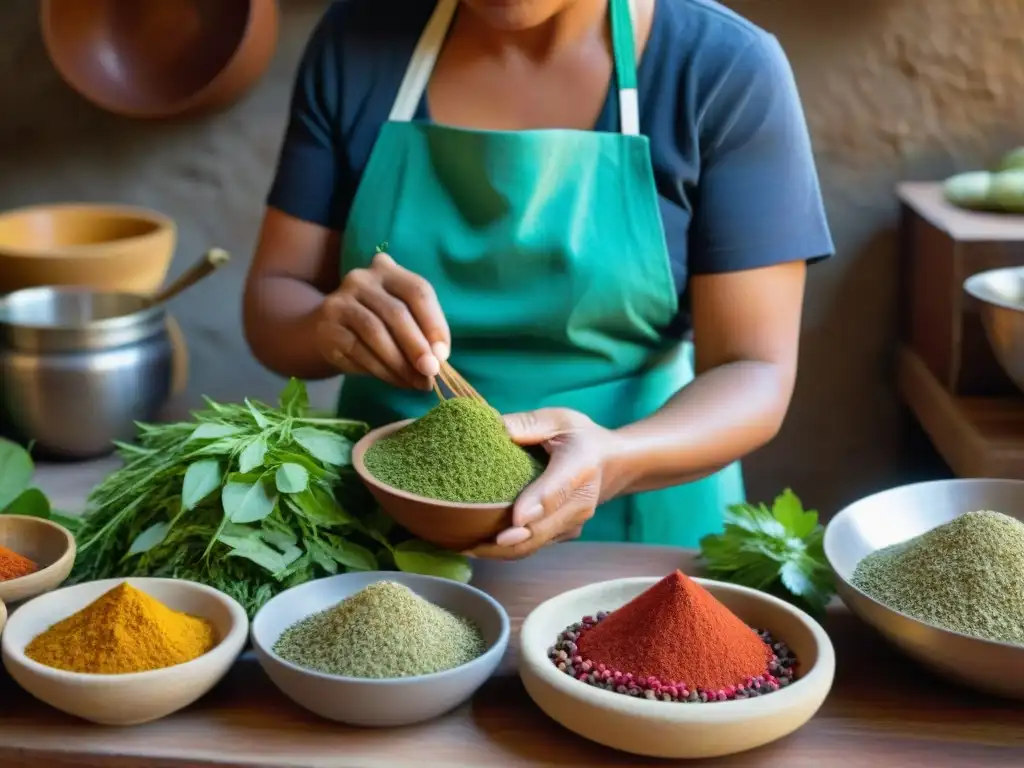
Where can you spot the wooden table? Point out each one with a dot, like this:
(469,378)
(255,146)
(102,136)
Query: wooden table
(883,711)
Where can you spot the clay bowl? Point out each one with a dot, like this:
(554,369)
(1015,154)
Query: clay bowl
(671,729)
(447,524)
(112,247)
(160,58)
(3,616)
(134,698)
(50,545)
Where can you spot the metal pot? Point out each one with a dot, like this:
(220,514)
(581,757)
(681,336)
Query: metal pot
(79,367)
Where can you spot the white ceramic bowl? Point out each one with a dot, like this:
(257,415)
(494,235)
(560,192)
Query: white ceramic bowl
(133,698)
(373,702)
(902,513)
(671,729)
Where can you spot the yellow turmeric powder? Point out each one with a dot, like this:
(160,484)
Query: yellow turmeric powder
(125,630)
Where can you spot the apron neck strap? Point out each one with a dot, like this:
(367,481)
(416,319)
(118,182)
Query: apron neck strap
(424,56)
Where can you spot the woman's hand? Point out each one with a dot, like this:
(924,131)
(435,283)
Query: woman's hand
(557,505)
(384,321)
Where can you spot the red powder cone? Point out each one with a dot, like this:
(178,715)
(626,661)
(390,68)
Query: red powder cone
(679,633)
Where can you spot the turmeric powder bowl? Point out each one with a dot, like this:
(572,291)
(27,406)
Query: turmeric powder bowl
(133,697)
(675,730)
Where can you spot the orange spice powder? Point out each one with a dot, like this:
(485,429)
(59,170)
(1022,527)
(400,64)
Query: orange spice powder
(13,565)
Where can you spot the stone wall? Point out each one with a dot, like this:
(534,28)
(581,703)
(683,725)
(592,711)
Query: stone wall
(892,89)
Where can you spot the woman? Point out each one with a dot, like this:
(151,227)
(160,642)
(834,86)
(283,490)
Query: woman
(553,193)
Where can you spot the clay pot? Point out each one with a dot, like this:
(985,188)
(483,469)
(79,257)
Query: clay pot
(160,58)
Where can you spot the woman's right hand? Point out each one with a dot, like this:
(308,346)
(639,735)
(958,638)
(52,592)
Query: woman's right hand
(384,321)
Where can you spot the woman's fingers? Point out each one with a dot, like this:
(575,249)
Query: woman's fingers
(351,355)
(421,300)
(396,315)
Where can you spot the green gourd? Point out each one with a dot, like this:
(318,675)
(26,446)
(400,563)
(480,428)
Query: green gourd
(1012,160)
(969,190)
(1006,192)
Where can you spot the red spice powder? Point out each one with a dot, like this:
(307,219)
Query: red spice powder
(13,565)
(677,632)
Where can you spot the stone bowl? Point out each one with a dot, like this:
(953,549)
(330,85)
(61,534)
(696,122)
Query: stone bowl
(671,729)
(127,699)
(898,514)
(448,524)
(379,702)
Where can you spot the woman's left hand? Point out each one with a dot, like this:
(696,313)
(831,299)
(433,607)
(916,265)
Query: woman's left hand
(556,506)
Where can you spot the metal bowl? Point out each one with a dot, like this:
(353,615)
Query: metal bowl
(79,367)
(902,513)
(1000,294)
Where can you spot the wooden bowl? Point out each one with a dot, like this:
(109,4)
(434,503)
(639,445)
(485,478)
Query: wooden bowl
(113,247)
(447,524)
(160,58)
(671,729)
(138,697)
(50,545)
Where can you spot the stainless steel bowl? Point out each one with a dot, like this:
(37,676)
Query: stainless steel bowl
(899,514)
(79,367)
(1000,293)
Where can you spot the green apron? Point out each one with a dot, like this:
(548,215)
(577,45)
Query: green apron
(546,250)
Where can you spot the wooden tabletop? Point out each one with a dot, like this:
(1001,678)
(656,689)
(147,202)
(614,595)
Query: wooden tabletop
(882,711)
(928,199)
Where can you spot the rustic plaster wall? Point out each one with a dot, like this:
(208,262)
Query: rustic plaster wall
(892,89)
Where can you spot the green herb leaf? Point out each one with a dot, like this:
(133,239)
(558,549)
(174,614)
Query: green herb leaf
(213,431)
(261,420)
(777,550)
(324,446)
(247,502)
(253,454)
(31,502)
(149,538)
(16,470)
(352,555)
(416,556)
(258,552)
(294,400)
(201,479)
(788,510)
(291,478)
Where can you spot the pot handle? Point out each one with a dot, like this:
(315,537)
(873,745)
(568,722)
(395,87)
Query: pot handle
(179,360)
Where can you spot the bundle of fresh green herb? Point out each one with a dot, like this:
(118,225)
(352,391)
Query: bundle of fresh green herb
(248,499)
(777,550)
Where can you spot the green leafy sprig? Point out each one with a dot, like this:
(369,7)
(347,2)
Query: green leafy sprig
(248,499)
(777,550)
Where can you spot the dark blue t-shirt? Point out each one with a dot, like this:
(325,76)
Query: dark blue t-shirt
(729,144)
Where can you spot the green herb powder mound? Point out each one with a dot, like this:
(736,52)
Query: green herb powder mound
(386,630)
(966,576)
(459,451)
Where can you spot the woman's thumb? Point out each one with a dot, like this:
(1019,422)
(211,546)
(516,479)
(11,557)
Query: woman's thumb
(533,427)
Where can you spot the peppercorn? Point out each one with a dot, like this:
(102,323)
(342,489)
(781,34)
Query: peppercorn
(566,657)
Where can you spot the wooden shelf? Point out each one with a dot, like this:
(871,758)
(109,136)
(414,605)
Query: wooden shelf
(978,437)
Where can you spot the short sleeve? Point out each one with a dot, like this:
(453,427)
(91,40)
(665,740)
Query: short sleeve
(758,201)
(312,181)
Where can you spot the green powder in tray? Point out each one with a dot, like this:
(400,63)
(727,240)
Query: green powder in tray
(966,576)
(459,451)
(385,630)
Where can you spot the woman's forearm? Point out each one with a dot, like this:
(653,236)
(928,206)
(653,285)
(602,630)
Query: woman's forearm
(281,315)
(725,414)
